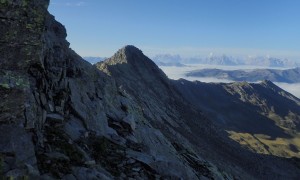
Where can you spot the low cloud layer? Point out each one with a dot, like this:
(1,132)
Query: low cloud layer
(179,72)
(291,88)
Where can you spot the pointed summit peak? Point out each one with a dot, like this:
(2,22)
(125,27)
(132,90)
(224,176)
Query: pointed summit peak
(129,54)
(130,61)
(130,49)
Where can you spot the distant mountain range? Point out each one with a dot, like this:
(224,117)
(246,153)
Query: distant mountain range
(94,60)
(168,60)
(225,60)
(264,61)
(286,76)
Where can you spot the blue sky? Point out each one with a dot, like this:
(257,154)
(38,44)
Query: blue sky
(186,27)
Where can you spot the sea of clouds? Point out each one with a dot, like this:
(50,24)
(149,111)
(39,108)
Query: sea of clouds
(179,72)
(293,88)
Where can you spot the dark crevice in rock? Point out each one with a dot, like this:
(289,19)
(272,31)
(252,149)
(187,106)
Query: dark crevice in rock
(202,168)
(65,154)
(124,108)
(113,158)
(123,129)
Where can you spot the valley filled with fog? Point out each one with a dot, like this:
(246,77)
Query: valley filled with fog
(175,72)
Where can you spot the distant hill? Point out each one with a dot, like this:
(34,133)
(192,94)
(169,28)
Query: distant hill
(170,64)
(286,76)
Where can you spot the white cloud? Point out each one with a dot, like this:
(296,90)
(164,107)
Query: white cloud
(81,3)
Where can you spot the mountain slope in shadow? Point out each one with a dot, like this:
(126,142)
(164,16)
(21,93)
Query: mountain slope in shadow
(260,116)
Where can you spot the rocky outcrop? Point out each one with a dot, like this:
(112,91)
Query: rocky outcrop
(62,118)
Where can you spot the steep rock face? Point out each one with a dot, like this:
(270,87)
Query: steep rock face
(54,112)
(261,116)
(20,41)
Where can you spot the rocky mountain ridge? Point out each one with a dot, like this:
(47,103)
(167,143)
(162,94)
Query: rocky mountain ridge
(62,118)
